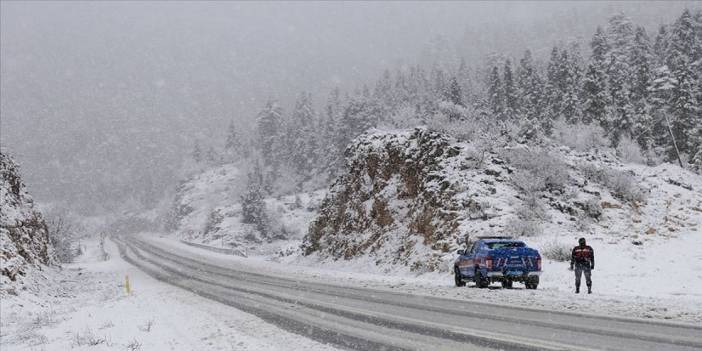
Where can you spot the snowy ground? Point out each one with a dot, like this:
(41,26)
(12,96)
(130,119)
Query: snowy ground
(85,307)
(624,283)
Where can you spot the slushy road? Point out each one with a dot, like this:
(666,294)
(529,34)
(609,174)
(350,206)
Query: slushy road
(369,319)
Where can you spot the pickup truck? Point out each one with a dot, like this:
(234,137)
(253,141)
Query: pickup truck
(498,259)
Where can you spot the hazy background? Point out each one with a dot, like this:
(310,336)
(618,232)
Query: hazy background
(101,102)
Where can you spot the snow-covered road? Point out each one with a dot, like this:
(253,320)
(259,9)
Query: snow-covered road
(85,306)
(363,318)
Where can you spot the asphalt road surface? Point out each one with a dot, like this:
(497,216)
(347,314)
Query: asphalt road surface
(369,319)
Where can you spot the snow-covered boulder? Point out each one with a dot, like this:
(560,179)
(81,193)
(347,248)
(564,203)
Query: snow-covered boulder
(24,237)
(397,201)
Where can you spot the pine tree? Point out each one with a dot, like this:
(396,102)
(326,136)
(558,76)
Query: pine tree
(683,58)
(423,97)
(595,96)
(269,132)
(464,82)
(641,60)
(555,83)
(698,34)
(661,90)
(529,90)
(595,91)
(453,92)
(233,146)
(453,95)
(571,78)
(495,97)
(383,88)
(359,114)
(509,94)
(404,90)
(697,67)
(302,134)
(621,111)
(660,47)
(620,36)
(385,94)
(621,108)
(253,209)
(600,47)
(330,143)
(439,82)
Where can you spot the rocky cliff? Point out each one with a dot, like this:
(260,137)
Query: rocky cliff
(24,237)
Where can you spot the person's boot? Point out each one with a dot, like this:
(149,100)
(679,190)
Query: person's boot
(577,289)
(589,289)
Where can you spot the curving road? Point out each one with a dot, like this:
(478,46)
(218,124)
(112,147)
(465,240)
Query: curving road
(369,319)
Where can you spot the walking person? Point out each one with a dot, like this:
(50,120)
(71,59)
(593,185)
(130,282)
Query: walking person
(583,260)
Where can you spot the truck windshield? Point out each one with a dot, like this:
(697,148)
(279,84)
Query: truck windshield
(502,244)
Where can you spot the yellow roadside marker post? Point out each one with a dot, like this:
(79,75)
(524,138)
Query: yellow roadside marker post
(126,285)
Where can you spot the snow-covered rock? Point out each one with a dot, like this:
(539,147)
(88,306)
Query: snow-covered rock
(24,237)
(395,201)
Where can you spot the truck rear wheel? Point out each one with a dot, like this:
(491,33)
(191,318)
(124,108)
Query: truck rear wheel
(458,277)
(480,281)
(532,283)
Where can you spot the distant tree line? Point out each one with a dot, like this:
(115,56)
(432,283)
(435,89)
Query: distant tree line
(640,88)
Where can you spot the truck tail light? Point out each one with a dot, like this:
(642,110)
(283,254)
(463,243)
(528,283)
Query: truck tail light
(488,262)
(538,263)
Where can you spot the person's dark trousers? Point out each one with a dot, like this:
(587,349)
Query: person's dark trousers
(579,270)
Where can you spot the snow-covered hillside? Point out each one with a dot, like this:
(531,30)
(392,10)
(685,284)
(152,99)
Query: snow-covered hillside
(406,196)
(207,210)
(24,237)
(197,197)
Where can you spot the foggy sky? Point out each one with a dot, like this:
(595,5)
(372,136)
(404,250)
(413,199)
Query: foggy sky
(101,101)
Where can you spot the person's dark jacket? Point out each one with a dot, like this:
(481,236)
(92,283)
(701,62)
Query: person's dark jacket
(583,256)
